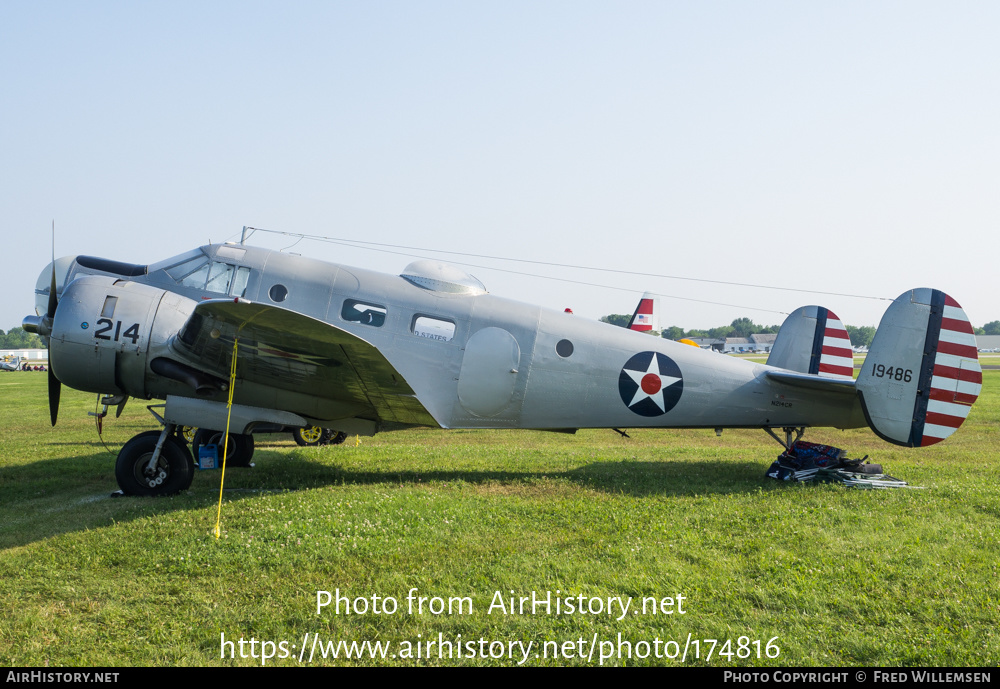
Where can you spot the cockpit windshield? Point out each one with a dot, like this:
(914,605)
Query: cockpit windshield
(177,260)
(197,271)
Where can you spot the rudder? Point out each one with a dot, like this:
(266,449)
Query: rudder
(646,316)
(813,340)
(922,372)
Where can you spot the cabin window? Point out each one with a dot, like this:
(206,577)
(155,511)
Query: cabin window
(277,293)
(433,328)
(362,312)
(564,348)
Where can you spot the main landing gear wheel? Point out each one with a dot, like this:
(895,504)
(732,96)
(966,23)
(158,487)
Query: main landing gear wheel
(309,436)
(185,433)
(240,450)
(332,437)
(172,473)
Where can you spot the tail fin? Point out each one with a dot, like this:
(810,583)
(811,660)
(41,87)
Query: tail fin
(813,340)
(922,372)
(646,316)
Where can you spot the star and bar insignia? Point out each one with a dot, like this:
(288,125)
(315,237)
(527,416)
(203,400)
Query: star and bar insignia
(650,384)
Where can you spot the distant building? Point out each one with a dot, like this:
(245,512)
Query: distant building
(34,355)
(987,342)
(737,345)
(760,342)
(763,341)
(709,343)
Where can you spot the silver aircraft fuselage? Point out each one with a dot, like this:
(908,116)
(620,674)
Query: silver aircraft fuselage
(475,360)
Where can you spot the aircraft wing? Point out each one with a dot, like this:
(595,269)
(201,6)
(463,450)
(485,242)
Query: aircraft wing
(285,350)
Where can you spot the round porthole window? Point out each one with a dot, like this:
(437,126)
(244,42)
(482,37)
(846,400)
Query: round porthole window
(277,293)
(564,348)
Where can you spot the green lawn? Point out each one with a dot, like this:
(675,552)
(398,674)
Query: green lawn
(827,575)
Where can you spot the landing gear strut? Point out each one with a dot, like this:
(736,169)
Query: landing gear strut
(789,430)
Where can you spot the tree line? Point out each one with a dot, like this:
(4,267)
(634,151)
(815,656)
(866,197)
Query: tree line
(741,327)
(18,338)
(861,336)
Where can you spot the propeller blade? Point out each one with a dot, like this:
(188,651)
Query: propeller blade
(53,299)
(55,387)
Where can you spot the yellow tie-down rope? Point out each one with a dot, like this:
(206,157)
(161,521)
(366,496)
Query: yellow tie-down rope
(225,441)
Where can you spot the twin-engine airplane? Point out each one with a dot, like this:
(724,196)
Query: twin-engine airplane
(319,344)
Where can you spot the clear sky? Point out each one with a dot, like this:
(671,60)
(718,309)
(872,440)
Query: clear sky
(839,146)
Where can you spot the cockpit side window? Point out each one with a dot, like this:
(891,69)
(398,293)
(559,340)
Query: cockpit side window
(240,282)
(197,278)
(218,278)
(211,276)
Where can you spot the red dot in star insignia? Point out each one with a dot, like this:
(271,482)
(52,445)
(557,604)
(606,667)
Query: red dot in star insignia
(650,383)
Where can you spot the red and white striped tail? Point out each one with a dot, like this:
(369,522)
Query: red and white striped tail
(644,319)
(956,377)
(813,340)
(836,355)
(922,373)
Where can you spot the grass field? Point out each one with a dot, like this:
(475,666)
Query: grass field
(827,575)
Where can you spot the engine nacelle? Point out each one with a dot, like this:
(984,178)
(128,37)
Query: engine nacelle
(106,330)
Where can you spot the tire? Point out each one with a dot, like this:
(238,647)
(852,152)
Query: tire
(185,433)
(332,437)
(240,446)
(173,473)
(309,436)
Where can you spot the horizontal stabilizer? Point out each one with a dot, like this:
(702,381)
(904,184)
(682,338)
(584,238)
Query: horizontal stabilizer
(922,372)
(813,340)
(813,382)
